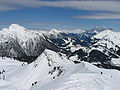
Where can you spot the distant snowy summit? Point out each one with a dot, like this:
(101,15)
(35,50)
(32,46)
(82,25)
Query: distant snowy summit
(98,29)
(104,34)
(16,27)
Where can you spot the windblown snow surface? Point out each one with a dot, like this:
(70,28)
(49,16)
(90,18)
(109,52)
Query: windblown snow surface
(52,71)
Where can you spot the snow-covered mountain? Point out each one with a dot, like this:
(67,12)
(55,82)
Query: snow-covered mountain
(22,76)
(103,52)
(59,59)
(18,37)
(98,29)
(19,42)
(16,41)
(108,43)
(51,71)
(26,45)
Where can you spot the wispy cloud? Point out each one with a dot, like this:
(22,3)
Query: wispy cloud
(100,16)
(112,6)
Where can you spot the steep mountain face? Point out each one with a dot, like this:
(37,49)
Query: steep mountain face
(16,41)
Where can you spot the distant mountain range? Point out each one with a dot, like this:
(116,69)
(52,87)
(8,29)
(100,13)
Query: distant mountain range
(99,46)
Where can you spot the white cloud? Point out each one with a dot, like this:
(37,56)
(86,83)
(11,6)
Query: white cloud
(81,5)
(84,5)
(100,16)
(112,6)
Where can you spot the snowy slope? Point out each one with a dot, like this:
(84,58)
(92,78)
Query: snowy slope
(12,69)
(83,76)
(52,71)
(109,40)
(110,36)
(20,76)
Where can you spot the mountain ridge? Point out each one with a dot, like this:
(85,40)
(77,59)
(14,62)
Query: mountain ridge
(23,44)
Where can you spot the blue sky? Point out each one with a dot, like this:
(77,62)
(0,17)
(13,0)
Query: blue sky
(60,14)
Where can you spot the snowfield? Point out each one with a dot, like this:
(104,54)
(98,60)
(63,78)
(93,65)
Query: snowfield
(52,71)
(84,76)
